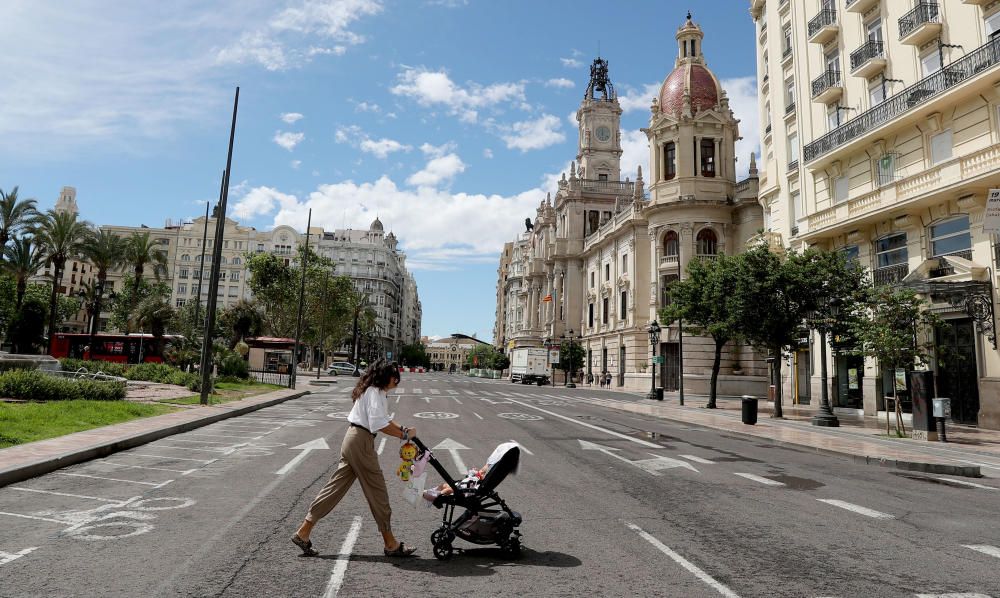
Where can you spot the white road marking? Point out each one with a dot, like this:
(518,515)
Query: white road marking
(470,392)
(451,392)
(83,475)
(6,557)
(855,508)
(224,451)
(427,399)
(683,562)
(760,479)
(953,595)
(650,466)
(397,398)
(339,569)
(206,442)
(434,391)
(477,415)
(522,447)
(591,426)
(306,448)
(985,549)
(453,447)
(23,489)
(180,471)
(971,484)
(381,445)
(697,459)
(223,436)
(456,400)
(31,517)
(205,461)
(417,391)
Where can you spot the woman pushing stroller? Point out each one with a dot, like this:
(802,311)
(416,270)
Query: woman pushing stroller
(359,461)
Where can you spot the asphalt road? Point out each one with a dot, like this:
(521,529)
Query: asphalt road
(614,504)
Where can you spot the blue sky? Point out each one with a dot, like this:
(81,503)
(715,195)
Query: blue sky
(449,119)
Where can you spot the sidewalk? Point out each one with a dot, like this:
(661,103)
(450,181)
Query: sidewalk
(969,450)
(25,461)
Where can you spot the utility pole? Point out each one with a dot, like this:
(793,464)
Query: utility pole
(322,325)
(204,245)
(302,295)
(213,284)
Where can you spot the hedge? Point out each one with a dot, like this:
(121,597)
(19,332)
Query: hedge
(33,385)
(145,372)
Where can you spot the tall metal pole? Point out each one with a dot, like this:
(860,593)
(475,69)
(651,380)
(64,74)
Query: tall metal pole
(302,296)
(680,358)
(213,284)
(652,387)
(204,246)
(322,325)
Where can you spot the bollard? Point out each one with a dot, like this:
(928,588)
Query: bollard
(749,410)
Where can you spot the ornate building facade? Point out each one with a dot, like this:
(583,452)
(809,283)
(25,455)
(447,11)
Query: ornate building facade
(600,255)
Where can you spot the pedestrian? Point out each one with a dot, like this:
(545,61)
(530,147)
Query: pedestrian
(590,378)
(601,380)
(358,460)
(607,379)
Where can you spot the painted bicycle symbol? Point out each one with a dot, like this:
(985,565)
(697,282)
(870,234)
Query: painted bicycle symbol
(527,417)
(435,415)
(118,520)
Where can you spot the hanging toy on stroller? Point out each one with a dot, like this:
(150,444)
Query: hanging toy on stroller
(486,518)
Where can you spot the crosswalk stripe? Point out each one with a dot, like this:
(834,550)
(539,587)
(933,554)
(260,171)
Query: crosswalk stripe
(697,459)
(971,484)
(758,478)
(856,508)
(985,549)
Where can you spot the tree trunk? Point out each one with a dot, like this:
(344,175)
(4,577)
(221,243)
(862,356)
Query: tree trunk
(22,287)
(776,381)
(57,267)
(96,317)
(137,281)
(715,373)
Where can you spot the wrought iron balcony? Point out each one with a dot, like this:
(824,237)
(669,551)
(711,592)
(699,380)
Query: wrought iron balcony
(794,164)
(786,54)
(868,59)
(827,86)
(790,108)
(767,130)
(890,274)
(920,24)
(823,27)
(977,61)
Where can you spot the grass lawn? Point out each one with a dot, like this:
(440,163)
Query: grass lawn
(27,422)
(226,392)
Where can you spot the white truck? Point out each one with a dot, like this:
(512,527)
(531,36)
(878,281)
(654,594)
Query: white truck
(529,365)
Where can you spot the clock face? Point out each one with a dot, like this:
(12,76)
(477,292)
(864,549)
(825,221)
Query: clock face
(603,133)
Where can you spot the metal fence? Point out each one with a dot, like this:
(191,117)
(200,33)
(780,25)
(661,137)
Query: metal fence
(271,377)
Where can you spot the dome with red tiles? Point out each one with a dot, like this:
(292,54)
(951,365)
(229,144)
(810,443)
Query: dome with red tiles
(694,79)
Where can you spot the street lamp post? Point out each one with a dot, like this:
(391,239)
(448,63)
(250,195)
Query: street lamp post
(548,364)
(654,338)
(570,383)
(825,417)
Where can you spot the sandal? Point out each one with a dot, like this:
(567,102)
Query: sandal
(305,545)
(400,551)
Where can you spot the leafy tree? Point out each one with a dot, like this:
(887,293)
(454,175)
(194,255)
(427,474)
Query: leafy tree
(60,234)
(140,251)
(889,324)
(707,302)
(125,303)
(273,284)
(27,328)
(105,251)
(414,354)
(240,321)
(15,216)
(22,261)
(570,352)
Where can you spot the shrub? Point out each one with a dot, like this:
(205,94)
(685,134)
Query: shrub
(70,364)
(145,372)
(234,366)
(37,386)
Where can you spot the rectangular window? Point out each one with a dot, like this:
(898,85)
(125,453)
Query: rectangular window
(941,146)
(874,29)
(992,24)
(832,117)
(591,280)
(182,289)
(951,236)
(625,264)
(180,303)
(851,253)
(708,157)
(624,305)
(671,161)
(793,147)
(183,273)
(607,272)
(876,94)
(886,166)
(197,274)
(930,63)
(590,318)
(790,92)
(604,314)
(796,201)
(891,250)
(234,291)
(840,189)
(234,275)
(786,39)
(767,218)
(602,177)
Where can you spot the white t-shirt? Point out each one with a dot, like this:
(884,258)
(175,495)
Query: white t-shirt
(370,410)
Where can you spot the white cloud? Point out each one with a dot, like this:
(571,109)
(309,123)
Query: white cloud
(488,153)
(436,151)
(742,92)
(431,88)
(534,134)
(278,44)
(446,230)
(382,147)
(572,63)
(296,164)
(560,82)
(635,152)
(367,107)
(291,117)
(287,139)
(639,99)
(441,169)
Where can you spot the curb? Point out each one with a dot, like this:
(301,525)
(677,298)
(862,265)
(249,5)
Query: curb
(50,464)
(969,471)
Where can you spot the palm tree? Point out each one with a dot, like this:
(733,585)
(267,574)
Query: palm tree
(60,234)
(22,261)
(141,251)
(15,215)
(105,251)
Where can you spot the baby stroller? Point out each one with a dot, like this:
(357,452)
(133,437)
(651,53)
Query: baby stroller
(486,518)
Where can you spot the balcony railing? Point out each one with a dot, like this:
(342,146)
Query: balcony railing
(977,61)
(794,164)
(790,108)
(610,186)
(890,274)
(787,52)
(826,17)
(925,12)
(669,260)
(828,79)
(767,130)
(867,51)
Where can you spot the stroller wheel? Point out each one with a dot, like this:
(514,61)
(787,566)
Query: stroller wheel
(443,551)
(441,536)
(513,548)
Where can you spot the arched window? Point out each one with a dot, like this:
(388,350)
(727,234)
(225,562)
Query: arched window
(185,258)
(671,244)
(237,261)
(707,242)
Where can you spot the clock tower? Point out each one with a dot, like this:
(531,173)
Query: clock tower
(599,149)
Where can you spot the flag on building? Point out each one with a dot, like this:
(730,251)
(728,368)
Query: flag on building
(547,298)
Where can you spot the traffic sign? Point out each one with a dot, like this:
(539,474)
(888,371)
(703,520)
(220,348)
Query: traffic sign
(658,360)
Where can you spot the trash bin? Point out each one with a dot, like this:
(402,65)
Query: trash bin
(749,410)
(659,394)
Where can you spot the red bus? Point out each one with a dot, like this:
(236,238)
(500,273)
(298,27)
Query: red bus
(120,348)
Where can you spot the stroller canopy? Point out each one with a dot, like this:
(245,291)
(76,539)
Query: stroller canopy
(502,462)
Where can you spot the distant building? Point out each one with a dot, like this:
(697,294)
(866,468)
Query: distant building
(450,354)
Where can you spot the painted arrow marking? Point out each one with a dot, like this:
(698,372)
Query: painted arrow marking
(650,466)
(6,557)
(306,448)
(453,447)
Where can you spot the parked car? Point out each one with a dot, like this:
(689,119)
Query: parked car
(343,368)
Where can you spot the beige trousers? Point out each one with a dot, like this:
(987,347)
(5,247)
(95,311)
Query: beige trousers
(358,460)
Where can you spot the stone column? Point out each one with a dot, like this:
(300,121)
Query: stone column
(686,246)
(718,157)
(654,270)
(660,162)
(533,306)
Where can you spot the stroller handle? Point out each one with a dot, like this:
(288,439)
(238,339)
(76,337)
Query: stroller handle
(437,465)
